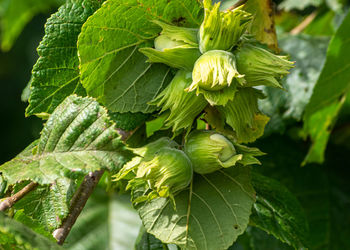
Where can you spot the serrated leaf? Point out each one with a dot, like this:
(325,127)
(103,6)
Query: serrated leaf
(112,68)
(15,14)
(278,212)
(107,222)
(78,138)
(56,74)
(14,235)
(48,204)
(211,215)
(328,95)
(263,24)
(20,216)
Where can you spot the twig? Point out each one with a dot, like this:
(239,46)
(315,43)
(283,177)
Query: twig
(124,135)
(10,201)
(77,204)
(239,3)
(81,196)
(301,26)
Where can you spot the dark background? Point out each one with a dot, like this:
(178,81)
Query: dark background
(17,131)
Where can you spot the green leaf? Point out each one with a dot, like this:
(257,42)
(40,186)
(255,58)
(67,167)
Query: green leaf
(263,25)
(278,212)
(107,222)
(14,235)
(327,98)
(146,241)
(129,121)
(256,239)
(78,138)
(20,216)
(48,204)
(210,215)
(15,14)
(244,116)
(56,73)
(323,191)
(112,68)
(319,127)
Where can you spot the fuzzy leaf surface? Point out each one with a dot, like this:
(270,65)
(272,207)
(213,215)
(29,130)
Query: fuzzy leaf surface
(112,68)
(78,138)
(56,74)
(210,216)
(48,204)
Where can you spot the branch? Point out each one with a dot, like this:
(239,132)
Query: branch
(304,23)
(81,196)
(239,3)
(77,204)
(10,201)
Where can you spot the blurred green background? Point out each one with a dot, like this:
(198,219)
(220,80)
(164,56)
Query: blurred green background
(15,70)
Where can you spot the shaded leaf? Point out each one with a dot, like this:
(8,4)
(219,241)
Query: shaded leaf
(209,216)
(78,138)
(327,97)
(129,121)
(146,241)
(319,127)
(278,212)
(56,73)
(14,235)
(256,239)
(112,68)
(323,191)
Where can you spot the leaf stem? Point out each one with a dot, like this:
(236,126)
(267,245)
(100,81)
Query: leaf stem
(10,201)
(77,204)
